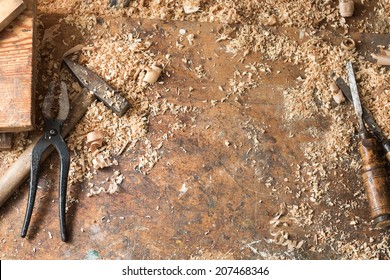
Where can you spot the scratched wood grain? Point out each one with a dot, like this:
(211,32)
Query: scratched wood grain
(227,204)
(16,72)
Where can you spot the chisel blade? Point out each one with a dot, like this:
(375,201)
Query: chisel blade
(355,94)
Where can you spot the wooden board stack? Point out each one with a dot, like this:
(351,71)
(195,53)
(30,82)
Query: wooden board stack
(16,65)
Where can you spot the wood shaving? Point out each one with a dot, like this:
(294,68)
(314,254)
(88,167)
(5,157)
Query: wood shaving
(101,161)
(114,185)
(152,74)
(281,236)
(191,6)
(73,50)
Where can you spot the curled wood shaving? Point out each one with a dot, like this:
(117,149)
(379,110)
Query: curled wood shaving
(73,50)
(101,161)
(280,236)
(191,6)
(115,182)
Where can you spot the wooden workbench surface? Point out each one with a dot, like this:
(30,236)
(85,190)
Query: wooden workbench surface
(226,184)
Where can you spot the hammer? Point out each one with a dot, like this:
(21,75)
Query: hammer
(19,171)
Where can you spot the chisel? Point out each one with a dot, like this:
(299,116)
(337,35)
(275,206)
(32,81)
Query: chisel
(375,179)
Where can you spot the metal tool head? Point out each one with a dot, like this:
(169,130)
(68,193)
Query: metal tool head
(49,103)
(355,96)
(64,103)
(96,85)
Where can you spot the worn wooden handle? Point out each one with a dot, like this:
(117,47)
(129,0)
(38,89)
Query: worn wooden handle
(19,171)
(376,182)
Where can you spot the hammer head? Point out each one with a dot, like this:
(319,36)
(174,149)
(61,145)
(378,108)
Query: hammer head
(103,91)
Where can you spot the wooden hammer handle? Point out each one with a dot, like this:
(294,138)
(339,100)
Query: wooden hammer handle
(19,171)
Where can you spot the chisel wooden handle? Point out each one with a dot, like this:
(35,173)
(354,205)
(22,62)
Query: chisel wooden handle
(19,171)
(376,183)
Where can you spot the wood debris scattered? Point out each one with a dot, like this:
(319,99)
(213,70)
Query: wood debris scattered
(347,8)
(127,62)
(382,58)
(102,160)
(191,6)
(152,74)
(278,230)
(337,94)
(348,44)
(114,185)
(95,140)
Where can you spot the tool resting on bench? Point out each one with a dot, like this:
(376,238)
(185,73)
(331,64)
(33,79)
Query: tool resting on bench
(375,177)
(51,136)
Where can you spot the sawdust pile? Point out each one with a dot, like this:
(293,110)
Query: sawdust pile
(117,60)
(20,143)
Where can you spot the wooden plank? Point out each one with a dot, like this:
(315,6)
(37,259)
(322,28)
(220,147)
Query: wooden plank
(9,10)
(16,72)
